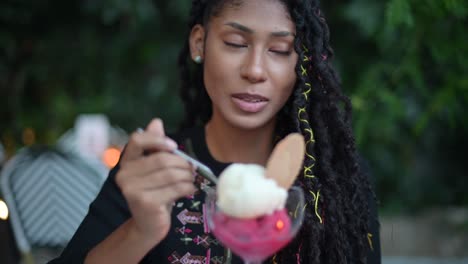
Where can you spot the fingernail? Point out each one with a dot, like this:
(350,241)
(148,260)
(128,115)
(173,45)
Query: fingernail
(194,168)
(171,143)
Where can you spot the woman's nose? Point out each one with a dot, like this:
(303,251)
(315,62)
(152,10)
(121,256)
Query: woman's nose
(254,67)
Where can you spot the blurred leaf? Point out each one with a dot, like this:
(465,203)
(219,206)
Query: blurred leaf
(399,13)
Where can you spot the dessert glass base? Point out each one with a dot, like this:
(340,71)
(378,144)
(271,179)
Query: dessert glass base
(256,239)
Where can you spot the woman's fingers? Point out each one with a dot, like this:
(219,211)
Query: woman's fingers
(146,199)
(153,172)
(155,180)
(154,162)
(168,194)
(156,126)
(151,178)
(148,140)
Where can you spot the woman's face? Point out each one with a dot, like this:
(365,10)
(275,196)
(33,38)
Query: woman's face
(249,62)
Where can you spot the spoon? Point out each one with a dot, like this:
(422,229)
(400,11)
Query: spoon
(200,168)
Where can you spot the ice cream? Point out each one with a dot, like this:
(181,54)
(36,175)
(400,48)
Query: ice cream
(251,219)
(245,192)
(250,216)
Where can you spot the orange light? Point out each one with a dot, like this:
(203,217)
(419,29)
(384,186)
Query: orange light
(111,157)
(29,136)
(279,224)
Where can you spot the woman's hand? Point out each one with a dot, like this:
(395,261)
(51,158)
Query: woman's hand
(151,179)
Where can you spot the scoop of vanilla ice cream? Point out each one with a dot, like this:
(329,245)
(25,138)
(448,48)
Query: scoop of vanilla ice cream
(245,192)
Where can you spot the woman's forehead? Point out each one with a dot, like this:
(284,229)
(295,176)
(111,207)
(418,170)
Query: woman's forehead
(226,5)
(257,13)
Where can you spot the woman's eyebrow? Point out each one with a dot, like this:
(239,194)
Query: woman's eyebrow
(239,27)
(251,31)
(282,34)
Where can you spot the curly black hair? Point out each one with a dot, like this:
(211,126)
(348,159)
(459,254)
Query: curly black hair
(337,214)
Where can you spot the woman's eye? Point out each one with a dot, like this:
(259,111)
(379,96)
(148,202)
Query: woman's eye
(235,45)
(282,52)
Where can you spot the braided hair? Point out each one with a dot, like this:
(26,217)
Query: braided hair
(336,214)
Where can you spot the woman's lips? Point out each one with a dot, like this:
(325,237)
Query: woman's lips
(251,103)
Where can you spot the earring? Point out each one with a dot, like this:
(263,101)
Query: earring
(198,59)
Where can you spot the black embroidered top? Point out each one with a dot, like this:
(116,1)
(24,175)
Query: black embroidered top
(189,240)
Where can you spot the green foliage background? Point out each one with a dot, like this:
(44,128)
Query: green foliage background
(403,63)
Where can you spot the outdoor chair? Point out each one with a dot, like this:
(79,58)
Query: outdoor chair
(48,193)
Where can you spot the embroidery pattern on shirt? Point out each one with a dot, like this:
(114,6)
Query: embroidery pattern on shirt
(183,230)
(193,229)
(188,258)
(188,217)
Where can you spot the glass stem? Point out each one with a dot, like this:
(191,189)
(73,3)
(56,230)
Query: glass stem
(252,262)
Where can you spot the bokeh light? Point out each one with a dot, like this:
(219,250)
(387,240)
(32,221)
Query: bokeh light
(3,210)
(111,157)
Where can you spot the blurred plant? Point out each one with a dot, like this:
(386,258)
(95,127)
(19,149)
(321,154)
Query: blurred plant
(405,65)
(402,62)
(58,60)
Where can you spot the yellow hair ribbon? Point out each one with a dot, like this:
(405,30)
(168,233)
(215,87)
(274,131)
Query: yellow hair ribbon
(369,238)
(304,71)
(302,110)
(316,199)
(310,141)
(311,133)
(313,194)
(306,93)
(308,171)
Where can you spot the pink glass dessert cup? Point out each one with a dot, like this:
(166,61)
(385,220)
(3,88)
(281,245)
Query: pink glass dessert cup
(256,239)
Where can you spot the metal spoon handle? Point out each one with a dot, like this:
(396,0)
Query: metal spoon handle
(201,168)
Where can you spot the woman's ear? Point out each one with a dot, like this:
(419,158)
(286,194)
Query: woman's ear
(197,43)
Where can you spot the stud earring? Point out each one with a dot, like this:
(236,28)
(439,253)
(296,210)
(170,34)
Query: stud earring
(198,59)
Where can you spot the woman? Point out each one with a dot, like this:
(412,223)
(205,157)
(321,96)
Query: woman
(261,71)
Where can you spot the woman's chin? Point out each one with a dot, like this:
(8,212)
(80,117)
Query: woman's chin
(251,122)
(242,120)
